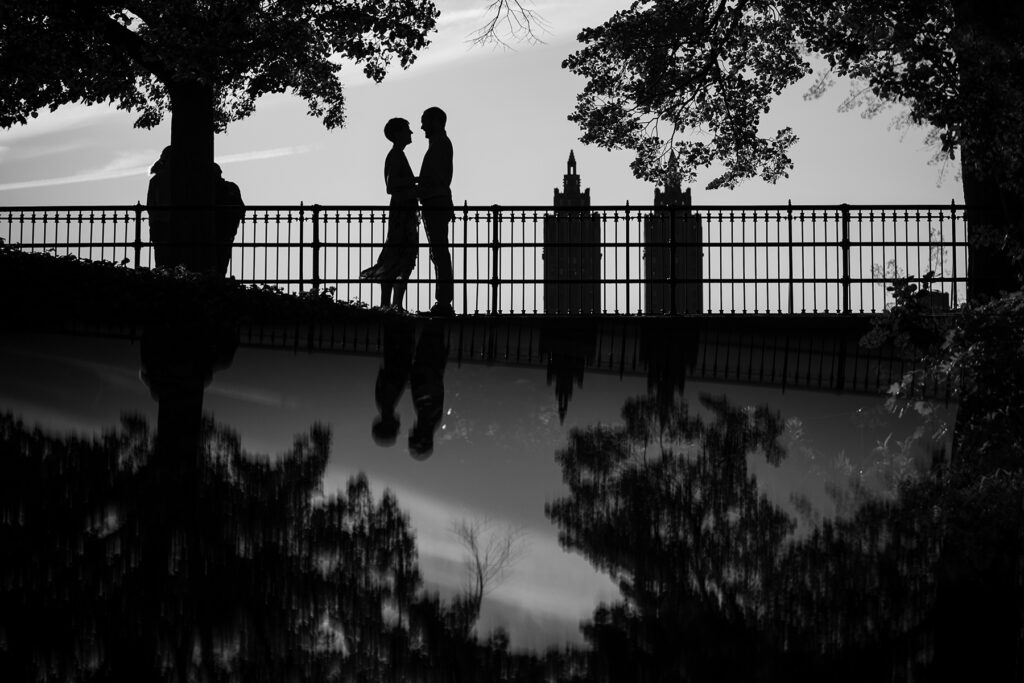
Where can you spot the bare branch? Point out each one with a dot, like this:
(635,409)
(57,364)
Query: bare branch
(492,551)
(509,22)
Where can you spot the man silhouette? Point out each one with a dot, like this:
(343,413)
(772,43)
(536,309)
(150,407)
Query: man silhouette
(165,254)
(438,209)
(230,212)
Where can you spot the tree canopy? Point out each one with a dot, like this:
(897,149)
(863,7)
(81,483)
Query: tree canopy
(133,53)
(696,76)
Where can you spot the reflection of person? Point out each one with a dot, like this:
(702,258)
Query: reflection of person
(424,371)
(230,212)
(159,194)
(397,258)
(399,337)
(438,209)
(427,382)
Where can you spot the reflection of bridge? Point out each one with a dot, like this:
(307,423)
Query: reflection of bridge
(801,352)
(753,259)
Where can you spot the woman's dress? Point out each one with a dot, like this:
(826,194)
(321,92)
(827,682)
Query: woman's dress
(401,245)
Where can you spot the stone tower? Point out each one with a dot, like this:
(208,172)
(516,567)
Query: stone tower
(673,243)
(572,251)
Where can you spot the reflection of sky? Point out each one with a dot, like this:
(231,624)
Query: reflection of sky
(494,454)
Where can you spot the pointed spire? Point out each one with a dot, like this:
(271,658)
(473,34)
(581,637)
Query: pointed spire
(570,167)
(672,194)
(672,174)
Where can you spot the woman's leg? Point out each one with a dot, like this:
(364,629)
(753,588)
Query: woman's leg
(385,294)
(399,294)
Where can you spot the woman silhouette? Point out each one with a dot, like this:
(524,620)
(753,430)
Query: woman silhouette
(397,258)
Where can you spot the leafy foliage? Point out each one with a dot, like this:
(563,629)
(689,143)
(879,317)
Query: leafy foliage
(663,68)
(173,568)
(132,53)
(715,584)
(694,76)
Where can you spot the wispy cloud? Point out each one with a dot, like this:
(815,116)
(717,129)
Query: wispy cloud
(66,118)
(138,163)
(252,396)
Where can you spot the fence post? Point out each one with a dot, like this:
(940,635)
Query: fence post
(629,285)
(956,274)
(844,246)
(302,251)
(495,251)
(465,257)
(789,221)
(316,248)
(138,233)
(672,257)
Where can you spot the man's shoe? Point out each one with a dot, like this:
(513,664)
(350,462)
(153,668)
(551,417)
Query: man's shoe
(443,310)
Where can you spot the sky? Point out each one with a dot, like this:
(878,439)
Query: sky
(507,120)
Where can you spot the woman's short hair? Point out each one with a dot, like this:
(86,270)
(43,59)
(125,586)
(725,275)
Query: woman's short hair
(393,127)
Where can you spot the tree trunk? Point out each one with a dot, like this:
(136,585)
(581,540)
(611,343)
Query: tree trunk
(994,229)
(991,74)
(192,192)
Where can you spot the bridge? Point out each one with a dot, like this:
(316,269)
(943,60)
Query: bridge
(553,260)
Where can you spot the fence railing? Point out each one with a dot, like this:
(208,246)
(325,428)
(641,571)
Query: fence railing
(543,259)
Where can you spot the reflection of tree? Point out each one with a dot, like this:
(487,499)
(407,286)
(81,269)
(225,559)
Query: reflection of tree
(121,566)
(668,508)
(921,585)
(491,552)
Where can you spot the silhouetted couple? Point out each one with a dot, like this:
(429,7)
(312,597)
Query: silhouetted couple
(178,246)
(429,194)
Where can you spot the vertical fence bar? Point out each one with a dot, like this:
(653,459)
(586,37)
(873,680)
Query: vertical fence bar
(495,256)
(629,284)
(844,246)
(465,257)
(302,242)
(138,234)
(956,273)
(672,258)
(316,248)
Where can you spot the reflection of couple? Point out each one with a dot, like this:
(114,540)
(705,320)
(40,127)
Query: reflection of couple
(420,364)
(431,192)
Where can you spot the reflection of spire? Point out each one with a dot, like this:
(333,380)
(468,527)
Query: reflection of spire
(569,348)
(566,370)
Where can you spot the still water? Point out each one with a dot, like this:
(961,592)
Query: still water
(195,505)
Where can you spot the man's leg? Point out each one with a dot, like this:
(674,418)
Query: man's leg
(437,235)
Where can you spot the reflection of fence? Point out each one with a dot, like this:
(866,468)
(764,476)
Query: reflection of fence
(752,259)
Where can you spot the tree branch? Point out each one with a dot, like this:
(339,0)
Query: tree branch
(124,39)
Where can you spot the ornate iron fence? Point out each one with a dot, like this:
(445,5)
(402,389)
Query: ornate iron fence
(542,259)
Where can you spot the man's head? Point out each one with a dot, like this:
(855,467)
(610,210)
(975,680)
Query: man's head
(217,173)
(164,161)
(397,131)
(433,121)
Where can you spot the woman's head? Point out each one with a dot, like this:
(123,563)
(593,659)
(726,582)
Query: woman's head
(398,131)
